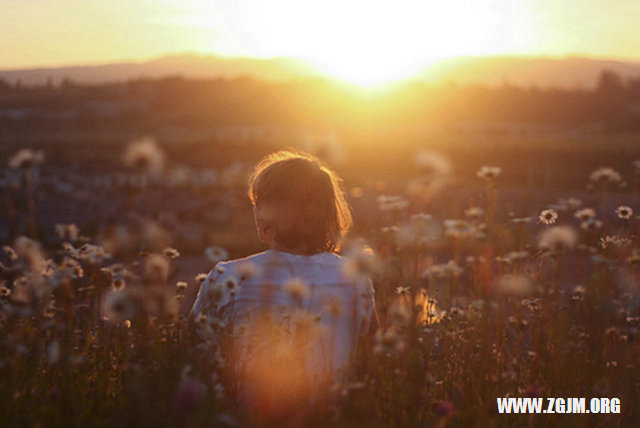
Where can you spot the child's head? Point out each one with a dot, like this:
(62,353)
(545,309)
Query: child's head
(298,203)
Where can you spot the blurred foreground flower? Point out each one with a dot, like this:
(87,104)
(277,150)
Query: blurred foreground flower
(216,254)
(145,155)
(26,158)
(489,173)
(605,175)
(558,238)
(515,285)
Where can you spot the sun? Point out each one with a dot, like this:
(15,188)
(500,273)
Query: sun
(373,42)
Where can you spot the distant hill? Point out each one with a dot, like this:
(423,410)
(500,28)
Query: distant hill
(567,73)
(188,65)
(543,72)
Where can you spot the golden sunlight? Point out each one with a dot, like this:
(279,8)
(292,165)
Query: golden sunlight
(370,43)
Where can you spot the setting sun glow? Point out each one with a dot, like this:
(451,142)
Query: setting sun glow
(364,42)
(376,42)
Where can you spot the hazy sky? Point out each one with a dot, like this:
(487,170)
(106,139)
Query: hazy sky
(340,36)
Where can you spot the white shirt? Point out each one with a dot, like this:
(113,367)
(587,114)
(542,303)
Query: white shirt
(339,304)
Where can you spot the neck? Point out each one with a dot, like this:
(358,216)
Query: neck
(298,251)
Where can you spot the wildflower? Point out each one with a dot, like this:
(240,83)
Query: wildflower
(26,158)
(489,173)
(360,261)
(333,305)
(605,175)
(144,154)
(92,253)
(119,305)
(578,292)
(181,285)
(216,254)
(574,203)
(71,267)
(432,163)
(585,214)
(297,289)
(458,229)
(591,224)
(624,212)
(171,253)
(403,290)
(392,203)
(614,240)
(230,284)
(10,252)
(246,270)
(548,216)
(387,342)
(201,277)
(515,285)
(474,213)
(516,256)
(558,238)
(68,231)
(156,268)
(118,284)
(521,220)
(215,294)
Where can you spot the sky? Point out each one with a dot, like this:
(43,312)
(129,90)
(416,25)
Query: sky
(353,39)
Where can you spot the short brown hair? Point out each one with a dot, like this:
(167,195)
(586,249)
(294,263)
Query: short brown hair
(307,200)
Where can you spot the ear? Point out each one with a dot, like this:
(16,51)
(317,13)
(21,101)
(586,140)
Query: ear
(266,230)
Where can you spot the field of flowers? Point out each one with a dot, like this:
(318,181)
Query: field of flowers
(478,297)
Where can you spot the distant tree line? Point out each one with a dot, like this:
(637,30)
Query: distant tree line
(614,104)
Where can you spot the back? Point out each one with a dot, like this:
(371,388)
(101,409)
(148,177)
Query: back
(296,292)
